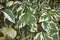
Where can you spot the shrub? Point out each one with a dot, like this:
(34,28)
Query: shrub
(29,19)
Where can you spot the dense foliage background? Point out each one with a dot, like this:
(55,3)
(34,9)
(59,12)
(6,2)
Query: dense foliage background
(29,19)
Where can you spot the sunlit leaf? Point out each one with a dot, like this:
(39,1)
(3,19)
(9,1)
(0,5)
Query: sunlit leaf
(10,32)
(10,3)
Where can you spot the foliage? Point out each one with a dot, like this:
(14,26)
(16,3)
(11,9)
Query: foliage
(29,20)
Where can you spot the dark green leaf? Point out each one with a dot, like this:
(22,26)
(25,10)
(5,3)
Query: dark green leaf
(1,6)
(9,15)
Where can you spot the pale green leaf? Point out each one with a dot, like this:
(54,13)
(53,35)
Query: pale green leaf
(10,32)
(10,3)
(32,19)
(25,18)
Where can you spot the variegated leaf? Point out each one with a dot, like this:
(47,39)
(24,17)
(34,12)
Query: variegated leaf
(9,15)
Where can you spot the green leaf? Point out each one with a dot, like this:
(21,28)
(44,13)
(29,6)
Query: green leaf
(15,7)
(19,8)
(45,25)
(10,3)
(42,36)
(1,6)
(56,36)
(25,18)
(20,25)
(44,17)
(47,36)
(53,26)
(52,32)
(9,15)
(33,27)
(37,37)
(32,19)
(58,14)
(54,18)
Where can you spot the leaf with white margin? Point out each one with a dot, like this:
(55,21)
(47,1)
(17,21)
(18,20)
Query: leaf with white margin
(1,6)
(53,18)
(53,26)
(56,36)
(17,2)
(44,17)
(9,15)
(42,36)
(33,28)
(58,13)
(19,8)
(10,32)
(45,26)
(38,36)
(56,17)
(10,3)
